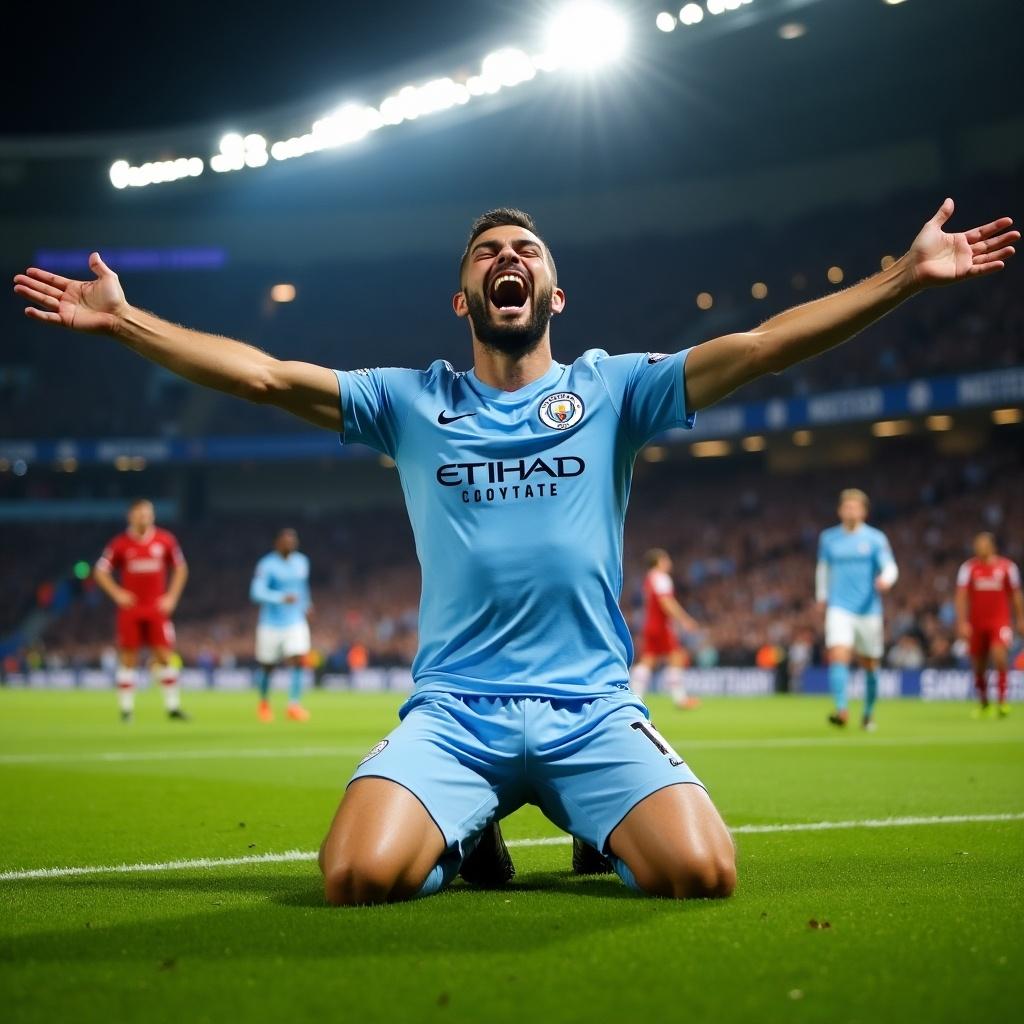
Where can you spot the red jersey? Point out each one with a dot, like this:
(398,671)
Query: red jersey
(657,584)
(142,562)
(989,586)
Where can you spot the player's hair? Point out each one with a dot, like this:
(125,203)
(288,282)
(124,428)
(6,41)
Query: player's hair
(986,533)
(504,216)
(136,502)
(854,494)
(654,556)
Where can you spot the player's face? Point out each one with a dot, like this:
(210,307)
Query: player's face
(665,564)
(852,512)
(983,546)
(287,542)
(141,517)
(508,290)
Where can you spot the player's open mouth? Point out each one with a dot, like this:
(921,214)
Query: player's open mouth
(509,292)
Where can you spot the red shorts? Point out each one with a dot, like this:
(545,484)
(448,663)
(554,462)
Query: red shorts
(143,627)
(986,636)
(658,644)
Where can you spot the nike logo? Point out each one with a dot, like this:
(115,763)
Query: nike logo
(442,419)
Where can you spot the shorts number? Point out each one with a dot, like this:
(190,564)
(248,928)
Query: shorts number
(663,745)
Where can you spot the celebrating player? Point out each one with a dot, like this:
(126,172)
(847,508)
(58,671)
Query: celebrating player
(145,602)
(516,476)
(985,586)
(855,568)
(281,588)
(660,644)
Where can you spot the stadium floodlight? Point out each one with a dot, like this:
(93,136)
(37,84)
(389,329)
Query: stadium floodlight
(792,30)
(665,21)
(691,14)
(508,67)
(586,35)
(716,6)
(123,175)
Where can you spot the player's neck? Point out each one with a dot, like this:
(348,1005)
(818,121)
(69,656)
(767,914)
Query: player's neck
(851,527)
(511,372)
(140,534)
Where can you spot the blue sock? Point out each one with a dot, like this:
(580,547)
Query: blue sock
(870,691)
(295,686)
(838,677)
(440,875)
(622,870)
(263,681)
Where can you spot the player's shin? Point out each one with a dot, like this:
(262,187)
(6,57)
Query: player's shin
(870,692)
(169,687)
(838,682)
(126,691)
(296,684)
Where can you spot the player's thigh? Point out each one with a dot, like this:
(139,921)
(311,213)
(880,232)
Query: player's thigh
(461,765)
(594,761)
(869,637)
(839,633)
(129,633)
(295,640)
(676,844)
(268,645)
(381,845)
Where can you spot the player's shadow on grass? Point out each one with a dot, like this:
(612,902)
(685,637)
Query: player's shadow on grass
(184,919)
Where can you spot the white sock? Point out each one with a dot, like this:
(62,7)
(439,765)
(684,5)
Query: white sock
(126,688)
(640,679)
(169,684)
(674,683)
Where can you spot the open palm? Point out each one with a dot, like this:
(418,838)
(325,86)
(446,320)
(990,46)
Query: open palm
(939,257)
(91,306)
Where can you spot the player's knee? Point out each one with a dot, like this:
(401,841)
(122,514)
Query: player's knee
(707,874)
(351,882)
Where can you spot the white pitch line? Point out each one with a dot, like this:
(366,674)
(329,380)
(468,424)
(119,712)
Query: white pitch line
(304,855)
(261,753)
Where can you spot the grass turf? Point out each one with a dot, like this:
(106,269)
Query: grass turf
(923,922)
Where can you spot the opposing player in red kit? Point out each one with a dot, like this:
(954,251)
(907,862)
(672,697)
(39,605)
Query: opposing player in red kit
(662,612)
(986,586)
(142,556)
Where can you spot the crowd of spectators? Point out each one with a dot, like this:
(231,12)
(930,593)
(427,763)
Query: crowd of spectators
(743,541)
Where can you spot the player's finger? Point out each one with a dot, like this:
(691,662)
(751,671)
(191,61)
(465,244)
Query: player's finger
(989,229)
(1002,254)
(981,269)
(47,278)
(41,314)
(31,282)
(944,212)
(989,244)
(47,301)
(98,267)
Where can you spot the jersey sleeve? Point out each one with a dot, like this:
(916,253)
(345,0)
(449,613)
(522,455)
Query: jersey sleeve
(375,405)
(963,577)
(648,390)
(174,554)
(111,558)
(1012,576)
(661,584)
(886,561)
(260,591)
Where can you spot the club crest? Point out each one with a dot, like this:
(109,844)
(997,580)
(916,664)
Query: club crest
(561,410)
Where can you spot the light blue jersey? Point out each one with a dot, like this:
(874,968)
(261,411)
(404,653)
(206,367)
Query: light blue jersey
(517,501)
(853,560)
(275,577)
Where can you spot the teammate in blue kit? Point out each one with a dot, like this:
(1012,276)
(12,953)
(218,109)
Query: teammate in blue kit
(280,586)
(855,568)
(516,476)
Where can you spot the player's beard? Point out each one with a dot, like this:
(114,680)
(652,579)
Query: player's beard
(510,339)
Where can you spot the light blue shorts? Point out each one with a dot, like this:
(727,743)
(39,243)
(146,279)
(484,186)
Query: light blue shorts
(469,760)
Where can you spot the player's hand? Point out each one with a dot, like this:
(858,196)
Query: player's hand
(882,586)
(289,599)
(91,306)
(166,604)
(309,612)
(939,257)
(125,599)
(964,630)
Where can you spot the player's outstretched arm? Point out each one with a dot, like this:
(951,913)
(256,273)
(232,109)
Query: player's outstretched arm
(99,307)
(936,257)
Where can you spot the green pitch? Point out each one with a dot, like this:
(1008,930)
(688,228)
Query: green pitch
(918,922)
